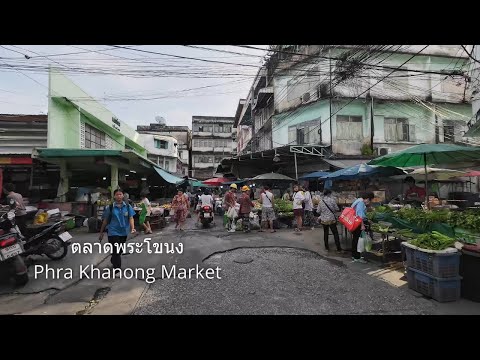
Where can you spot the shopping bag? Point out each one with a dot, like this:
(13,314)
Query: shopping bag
(361,243)
(368,241)
(232,213)
(349,219)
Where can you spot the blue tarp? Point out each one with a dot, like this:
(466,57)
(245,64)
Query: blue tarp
(361,171)
(314,175)
(172,179)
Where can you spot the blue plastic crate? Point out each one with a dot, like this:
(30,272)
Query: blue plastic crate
(441,265)
(441,290)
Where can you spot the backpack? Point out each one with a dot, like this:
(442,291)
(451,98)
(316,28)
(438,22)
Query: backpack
(110,214)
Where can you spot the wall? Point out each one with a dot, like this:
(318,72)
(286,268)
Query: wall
(20,134)
(289,87)
(281,122)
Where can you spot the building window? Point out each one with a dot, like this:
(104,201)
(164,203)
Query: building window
(94,138)
(304,133)
(399,130)
(448,133)
(451,128)
(218,159)
(161,144)
(167,165)
(180,154)
(349,127)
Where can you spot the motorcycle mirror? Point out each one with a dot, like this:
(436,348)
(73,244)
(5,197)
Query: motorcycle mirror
(12,203)
(11,215)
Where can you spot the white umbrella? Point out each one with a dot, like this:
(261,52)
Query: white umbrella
(272,176)
(436,173)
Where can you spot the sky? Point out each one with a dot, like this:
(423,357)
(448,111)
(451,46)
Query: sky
(134,82)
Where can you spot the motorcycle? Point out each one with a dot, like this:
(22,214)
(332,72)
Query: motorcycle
(50,240)
(219,207)
(11,248)
(206,215)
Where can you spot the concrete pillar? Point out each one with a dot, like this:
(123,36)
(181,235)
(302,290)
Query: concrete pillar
(114,178)
(64,186)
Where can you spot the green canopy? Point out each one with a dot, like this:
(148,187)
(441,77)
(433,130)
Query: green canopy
(429,154)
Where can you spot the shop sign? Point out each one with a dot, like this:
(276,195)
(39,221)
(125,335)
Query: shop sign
(116,123)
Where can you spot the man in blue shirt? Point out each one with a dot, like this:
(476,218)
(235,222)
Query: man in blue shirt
(119,223)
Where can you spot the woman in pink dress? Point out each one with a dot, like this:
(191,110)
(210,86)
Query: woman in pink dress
(180,207)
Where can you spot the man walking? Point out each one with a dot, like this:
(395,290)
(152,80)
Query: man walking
(118,219)
(268,212)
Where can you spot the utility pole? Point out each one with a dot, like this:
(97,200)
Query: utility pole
(253,120)
(372,126)
(330,66)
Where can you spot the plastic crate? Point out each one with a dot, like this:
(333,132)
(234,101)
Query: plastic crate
(441,290)
(441,265)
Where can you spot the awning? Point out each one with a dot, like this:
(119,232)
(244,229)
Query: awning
(172,179)
(345,163)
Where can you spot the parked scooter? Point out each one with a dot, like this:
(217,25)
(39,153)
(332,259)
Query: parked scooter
(50,240)
(206,215)
(11,248)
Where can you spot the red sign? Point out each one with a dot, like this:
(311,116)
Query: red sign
(16,160)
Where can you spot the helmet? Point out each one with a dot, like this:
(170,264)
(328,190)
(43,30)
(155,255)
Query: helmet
(245,188)
(234,186)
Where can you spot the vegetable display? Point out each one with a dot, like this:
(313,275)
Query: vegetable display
(433,241)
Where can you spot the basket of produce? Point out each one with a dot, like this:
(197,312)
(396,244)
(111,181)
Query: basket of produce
(433,254)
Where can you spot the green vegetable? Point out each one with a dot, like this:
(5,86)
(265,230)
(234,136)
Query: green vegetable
(433,241)
(283,206)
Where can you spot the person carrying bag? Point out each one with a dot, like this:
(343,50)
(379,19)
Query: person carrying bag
(327,208)
(357,222)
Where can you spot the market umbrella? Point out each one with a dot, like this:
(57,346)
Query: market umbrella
(314,175)
(362,171)
(437,174)
(272,176)
(215,181)
(472,174)
(429,154)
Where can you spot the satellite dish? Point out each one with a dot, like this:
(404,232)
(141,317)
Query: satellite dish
(161,120)
(306,97)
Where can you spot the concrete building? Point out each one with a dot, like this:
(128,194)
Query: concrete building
(168,146)
(92,147)
(213,138)
(19,135)
(474,123)
(326,98)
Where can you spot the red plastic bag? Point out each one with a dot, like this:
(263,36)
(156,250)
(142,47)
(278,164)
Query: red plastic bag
(350,219)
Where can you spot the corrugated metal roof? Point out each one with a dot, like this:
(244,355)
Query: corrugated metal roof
(345,163)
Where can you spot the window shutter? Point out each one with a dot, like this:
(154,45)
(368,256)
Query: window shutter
(411,129)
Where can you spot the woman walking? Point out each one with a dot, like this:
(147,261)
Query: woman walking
(327,208)
(180,208)
(308,218)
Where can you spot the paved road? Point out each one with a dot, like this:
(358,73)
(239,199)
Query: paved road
(279,281)
(262,273)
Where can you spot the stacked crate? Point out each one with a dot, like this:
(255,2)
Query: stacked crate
(435,274)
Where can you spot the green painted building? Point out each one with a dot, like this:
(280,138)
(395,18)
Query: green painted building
(90,144)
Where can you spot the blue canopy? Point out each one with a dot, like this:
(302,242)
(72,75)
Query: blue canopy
(361,171)
(314,175)
(172,179)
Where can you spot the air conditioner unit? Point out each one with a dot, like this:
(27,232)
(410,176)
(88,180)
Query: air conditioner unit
(383,151)
(306,98)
